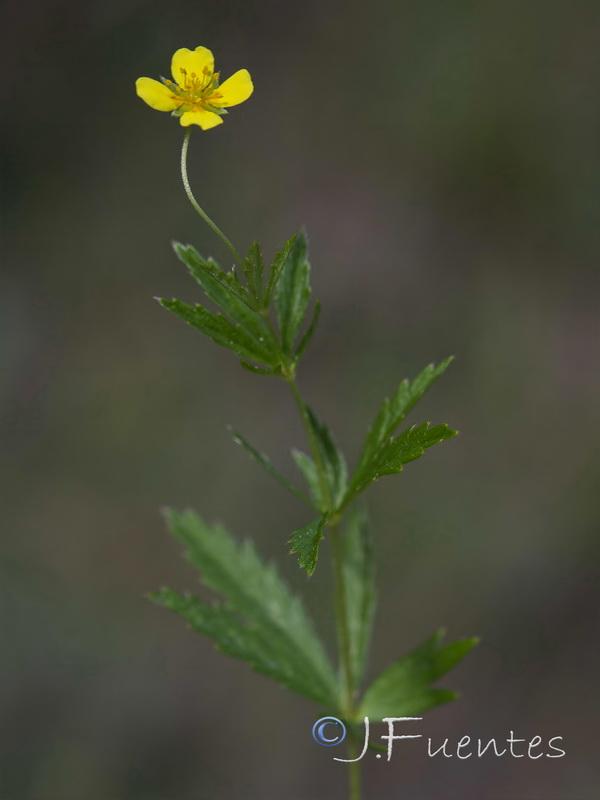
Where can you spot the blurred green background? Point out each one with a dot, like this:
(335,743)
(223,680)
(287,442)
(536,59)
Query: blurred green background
(443,156)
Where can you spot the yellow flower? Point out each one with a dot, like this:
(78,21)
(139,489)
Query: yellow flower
(194,95)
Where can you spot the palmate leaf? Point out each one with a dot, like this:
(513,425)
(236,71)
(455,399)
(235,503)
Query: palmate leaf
(261,621)
(306,541)
(395,409)
(293,292)
(225,333)
(247,307)
(359,582)
(404,688)
(221,293)
(410,445)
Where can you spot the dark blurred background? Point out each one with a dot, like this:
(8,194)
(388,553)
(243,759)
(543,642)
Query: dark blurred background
(443,156)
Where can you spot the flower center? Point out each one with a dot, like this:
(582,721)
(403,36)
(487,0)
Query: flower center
(197,92)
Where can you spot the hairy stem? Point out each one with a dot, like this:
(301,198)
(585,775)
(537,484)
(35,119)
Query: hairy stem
(194,202)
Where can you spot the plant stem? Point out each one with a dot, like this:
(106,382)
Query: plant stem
(194,202)
(341,611)
(342,618)
(354,772)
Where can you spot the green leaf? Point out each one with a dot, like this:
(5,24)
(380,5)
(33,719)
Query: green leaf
(394,410)
(309,469)
(293,292)
(276,268)
(359,582)
(259,370)
(308,334)
(410,445)
(404,689)
(332,458)
(222,331)
(275,635)
(228,280)
(237,639)
(221,293)
(306,541)
(266,463)
(253,270)
(222,625)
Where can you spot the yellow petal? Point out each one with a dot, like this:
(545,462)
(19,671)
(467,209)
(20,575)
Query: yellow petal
(156,94)
(233,91)
(206,119)
(191,61)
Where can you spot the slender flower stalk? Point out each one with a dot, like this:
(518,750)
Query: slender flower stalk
(188,190)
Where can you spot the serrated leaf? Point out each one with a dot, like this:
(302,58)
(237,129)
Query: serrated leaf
(359,582)
(228,280)
(306,541)
(237,639)
(293,292)
(308,468)
(332,459)
(222,331)
(404,688)
(253,271)
(221,293)
(309,333)
(410,445)
(254,591)
(276,268)
(266,463)
(395,409)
